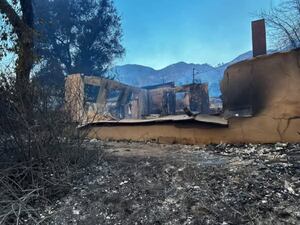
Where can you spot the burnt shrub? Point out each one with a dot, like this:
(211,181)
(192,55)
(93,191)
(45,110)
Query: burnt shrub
(40,151)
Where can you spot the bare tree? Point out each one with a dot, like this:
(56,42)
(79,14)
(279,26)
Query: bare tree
(284,23)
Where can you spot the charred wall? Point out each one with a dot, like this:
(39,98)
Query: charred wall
(168,99)
(96,98)
(266,84)
(91,99)
(161,99)
(198,97)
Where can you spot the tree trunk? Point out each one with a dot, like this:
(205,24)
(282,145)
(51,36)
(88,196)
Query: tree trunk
(23,27)
(24,63)
(26,52)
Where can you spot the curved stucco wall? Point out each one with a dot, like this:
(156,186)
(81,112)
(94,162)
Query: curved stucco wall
(269,84)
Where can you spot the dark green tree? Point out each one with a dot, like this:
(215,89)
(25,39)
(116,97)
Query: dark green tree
(77,36)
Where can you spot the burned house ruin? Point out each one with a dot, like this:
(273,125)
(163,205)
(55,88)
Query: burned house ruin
(92,98)
(260,97)
(261,104)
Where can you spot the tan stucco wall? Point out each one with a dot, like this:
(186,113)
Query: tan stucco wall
(247,130)
(74,96)
(270,83)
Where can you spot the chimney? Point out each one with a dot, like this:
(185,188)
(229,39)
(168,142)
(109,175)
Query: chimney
(259,43)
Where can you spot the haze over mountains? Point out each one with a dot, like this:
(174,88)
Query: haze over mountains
(180,73)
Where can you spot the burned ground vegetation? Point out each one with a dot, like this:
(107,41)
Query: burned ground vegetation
(138,183)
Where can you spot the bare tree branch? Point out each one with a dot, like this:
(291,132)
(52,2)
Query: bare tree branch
(284,23)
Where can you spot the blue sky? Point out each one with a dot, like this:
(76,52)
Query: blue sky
(161,32)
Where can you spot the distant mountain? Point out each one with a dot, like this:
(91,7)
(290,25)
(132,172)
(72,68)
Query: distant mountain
(135,75)
(180,73)
(242,57)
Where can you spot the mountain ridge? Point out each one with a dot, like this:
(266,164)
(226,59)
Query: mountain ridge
(181,73)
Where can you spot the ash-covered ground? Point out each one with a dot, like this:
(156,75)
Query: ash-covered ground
(138,183)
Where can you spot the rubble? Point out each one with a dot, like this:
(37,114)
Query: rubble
(178,184)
